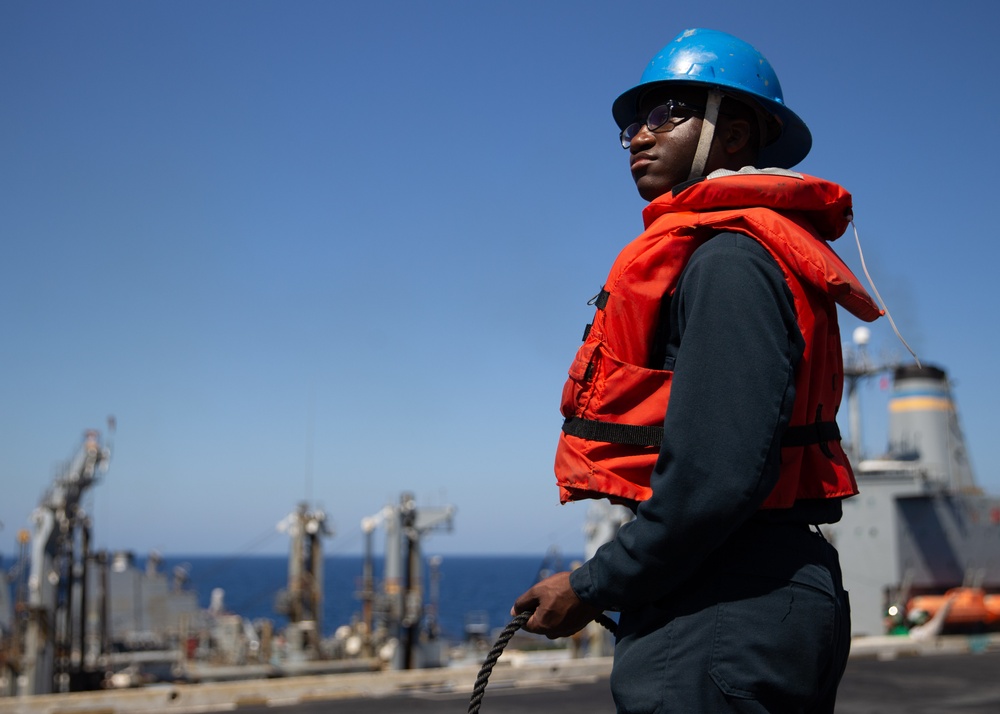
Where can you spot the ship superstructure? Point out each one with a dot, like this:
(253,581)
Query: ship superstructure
(920,525)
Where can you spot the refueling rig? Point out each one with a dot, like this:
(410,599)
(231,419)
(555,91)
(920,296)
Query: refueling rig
(51,646)
(83,619)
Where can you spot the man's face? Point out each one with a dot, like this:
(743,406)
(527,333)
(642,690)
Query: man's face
(662,159)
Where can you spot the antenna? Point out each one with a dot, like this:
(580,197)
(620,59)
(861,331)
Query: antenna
(858,366)
(310,442)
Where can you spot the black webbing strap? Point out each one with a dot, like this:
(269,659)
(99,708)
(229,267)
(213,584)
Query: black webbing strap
(635,435)
(629,434)
(819,432)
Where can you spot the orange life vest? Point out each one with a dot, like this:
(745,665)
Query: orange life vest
(614,404)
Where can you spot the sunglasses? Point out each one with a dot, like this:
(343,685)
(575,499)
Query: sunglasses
(659,119)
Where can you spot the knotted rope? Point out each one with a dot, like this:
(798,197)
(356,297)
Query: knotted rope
(479,690)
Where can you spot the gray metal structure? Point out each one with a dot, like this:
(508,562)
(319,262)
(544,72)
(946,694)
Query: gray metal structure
(405,527)
(395,620)
(920,524)
(145,608)
(302,602)
(56,637)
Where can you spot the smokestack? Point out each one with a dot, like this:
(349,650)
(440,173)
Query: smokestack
(923,426)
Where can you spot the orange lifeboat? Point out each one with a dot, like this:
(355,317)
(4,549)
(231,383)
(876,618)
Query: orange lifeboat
(966,607)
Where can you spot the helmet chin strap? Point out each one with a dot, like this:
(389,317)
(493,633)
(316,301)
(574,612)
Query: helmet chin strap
(707,133)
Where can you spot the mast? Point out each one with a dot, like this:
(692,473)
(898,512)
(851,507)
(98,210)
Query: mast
(857,367)
(303,603)
(405,529)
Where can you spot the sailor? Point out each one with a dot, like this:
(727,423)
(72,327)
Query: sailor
(705,397)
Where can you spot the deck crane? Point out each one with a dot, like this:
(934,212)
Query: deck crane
(405,527)
(302,602)
(57,651)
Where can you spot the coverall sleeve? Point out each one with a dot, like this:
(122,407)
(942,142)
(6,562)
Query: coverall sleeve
(734,345)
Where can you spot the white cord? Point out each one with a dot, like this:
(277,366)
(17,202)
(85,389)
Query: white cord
(881,302)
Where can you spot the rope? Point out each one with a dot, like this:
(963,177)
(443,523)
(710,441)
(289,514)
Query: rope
(479,690)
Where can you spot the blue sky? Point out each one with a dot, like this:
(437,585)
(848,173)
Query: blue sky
(335,251)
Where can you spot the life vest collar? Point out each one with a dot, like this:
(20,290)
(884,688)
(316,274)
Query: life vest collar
(821,208)
(825,205)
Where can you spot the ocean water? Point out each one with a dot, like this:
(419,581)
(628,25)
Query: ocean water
(468,584)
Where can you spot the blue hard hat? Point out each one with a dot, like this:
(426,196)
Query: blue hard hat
(717,59)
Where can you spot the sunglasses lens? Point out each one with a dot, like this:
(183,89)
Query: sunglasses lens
(629,132)
(659,116)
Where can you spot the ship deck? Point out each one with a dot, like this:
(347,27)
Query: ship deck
(948,675)
(910,685)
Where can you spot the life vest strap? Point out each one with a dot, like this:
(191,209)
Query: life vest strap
(612,433)
(818,432)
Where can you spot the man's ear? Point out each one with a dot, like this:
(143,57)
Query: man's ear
(736,135)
